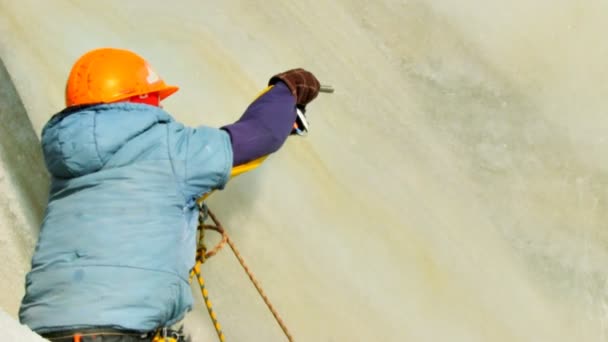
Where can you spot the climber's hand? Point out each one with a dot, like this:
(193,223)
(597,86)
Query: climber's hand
(303,85)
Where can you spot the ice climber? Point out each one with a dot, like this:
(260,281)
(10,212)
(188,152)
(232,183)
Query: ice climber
(117,241)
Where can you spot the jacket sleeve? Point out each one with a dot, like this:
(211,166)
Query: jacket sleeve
(201,158)
(264,126)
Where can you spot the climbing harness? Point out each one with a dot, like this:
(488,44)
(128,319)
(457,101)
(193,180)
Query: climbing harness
(170,335)
(202,255)
(105,334)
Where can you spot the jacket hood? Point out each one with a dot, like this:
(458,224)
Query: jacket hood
(79,141)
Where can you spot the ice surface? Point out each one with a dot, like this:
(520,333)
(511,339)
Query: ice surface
(452,188)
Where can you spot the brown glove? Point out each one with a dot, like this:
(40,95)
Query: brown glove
(303,84)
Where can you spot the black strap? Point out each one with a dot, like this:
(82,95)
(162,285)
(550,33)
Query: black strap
(117,334)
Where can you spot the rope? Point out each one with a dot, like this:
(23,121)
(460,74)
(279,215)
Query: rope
(203,255)
(201,281)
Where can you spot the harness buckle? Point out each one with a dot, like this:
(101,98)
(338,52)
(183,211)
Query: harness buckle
(166,334)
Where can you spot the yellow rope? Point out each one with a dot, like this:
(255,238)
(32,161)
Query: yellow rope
(218,327)
(203,255)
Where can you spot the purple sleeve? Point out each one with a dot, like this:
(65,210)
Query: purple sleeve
(264,126)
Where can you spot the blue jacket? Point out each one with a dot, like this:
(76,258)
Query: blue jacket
(118,237)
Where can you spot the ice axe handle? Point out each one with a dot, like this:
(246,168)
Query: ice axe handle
(326,89)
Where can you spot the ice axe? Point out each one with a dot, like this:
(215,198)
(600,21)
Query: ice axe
(326,89)
(300,127)
(300,122)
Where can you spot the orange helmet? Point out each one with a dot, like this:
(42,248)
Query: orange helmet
(110,75)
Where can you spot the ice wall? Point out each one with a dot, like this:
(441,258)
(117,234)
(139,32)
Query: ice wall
(453,188)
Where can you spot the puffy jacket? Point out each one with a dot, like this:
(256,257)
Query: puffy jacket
(118,237)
